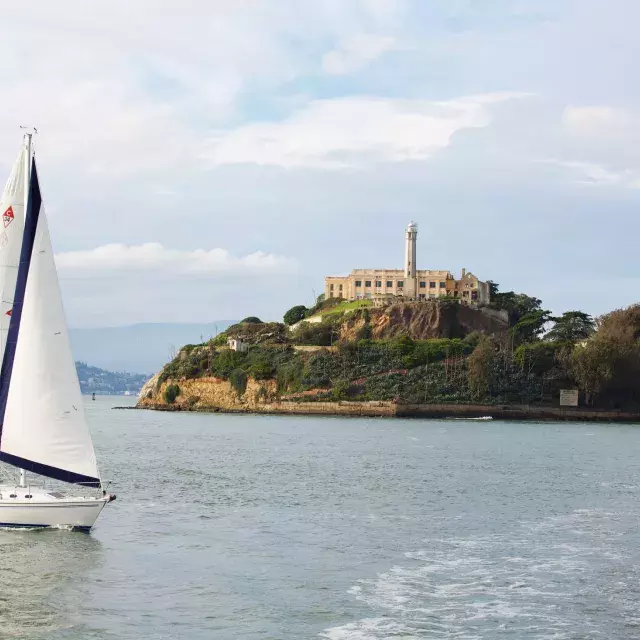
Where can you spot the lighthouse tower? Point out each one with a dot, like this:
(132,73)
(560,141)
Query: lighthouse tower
(410,289)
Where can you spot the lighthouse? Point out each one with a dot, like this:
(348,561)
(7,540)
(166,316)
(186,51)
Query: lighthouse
(410,261)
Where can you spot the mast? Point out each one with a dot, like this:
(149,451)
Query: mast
(27,183)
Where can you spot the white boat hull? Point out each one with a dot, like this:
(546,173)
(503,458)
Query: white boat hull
(39,512)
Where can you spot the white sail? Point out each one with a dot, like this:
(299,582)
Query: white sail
(11,230)
(44,427)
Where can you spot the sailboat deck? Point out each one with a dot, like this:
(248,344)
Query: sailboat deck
(24,495)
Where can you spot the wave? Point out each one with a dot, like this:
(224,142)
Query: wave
(562,578)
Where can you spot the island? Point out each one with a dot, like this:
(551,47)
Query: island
(507,358)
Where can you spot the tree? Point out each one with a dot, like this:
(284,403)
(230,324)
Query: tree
(530,325)
(295,314)
(516,305)
(571,327)
(592,366)
(493,289)
(607,367)
(251,320)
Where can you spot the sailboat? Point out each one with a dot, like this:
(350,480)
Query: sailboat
(44,435)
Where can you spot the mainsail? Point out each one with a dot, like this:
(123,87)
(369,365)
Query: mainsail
(42,422)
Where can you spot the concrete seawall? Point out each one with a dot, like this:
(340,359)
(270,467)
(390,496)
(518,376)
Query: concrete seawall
(390,410)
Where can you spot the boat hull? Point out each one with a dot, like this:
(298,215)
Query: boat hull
(80,515)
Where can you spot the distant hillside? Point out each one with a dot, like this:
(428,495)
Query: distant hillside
(101,382)
(139,347)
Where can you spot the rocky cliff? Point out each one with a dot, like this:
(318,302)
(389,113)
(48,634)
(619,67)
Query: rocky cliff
(422,321)
(207,393)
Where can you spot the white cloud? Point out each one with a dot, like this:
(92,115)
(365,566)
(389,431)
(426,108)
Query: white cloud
(355,131)
(598,121)
(355,53)
(119,259)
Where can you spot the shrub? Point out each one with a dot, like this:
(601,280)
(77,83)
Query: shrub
(171,393)
(289,377)
(251,320)
(320,334)
(225,362)
(261,369)
(340,390)
(428,351)
(480,365)
(238,379)
(220,340)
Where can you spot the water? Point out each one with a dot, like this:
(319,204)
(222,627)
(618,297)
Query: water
(345,529)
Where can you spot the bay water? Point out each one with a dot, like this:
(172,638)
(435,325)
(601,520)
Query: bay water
(269,527)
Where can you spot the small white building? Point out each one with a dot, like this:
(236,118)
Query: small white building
(237,345)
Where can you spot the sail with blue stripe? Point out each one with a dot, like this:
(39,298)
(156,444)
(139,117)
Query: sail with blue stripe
(42,423)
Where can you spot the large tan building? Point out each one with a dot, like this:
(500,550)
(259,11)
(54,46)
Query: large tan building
(387,285)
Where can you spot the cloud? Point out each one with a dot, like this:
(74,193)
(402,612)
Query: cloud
(117,259)
(597,120)
(595,174)
(355,131)
(355,53)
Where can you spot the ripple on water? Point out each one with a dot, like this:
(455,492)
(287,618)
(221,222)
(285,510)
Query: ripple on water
(534,581)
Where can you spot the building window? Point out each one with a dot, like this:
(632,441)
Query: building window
(443,284)
(378,283)
(465,294)
(389,284)
(474,295)
(400,284)
(340,287)
(331,287)
(367,283)
(423,285)
(432,285)
(422,296)
(367,296)
(358,283)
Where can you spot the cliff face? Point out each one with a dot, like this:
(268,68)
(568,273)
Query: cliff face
(207,393)
(422,321)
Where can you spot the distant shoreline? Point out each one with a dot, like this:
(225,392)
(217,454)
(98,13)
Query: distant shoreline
(396,410)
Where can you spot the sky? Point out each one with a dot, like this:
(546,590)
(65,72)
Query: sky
(210,159)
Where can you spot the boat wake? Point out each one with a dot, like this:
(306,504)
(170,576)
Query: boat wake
(548,580)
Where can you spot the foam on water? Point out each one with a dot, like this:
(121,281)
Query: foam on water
(539,580)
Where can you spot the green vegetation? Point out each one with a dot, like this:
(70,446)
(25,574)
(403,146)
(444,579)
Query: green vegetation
(295,314)
(171,393)
(238,379)
(339,306)
(571,327)
(337,357)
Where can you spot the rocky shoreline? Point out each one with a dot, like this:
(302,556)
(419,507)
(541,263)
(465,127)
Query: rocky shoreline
(380,409)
